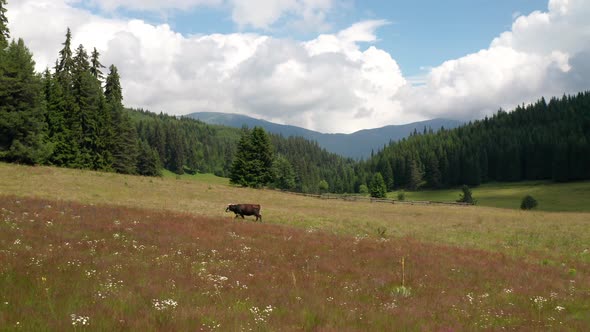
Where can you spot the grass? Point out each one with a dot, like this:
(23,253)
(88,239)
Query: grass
(71,266)
(556,197)
(319,264)
(208,178)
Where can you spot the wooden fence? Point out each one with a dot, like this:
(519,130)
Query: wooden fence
(355,198)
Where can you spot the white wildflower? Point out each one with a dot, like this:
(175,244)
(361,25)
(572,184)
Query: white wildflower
(80,320)
(161,305)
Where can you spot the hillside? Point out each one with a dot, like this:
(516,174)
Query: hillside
(105,251)
(358,145)
(540,141)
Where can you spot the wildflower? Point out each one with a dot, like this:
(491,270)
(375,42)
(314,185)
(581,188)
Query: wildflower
(260,316)
(539,301)
(17,242)
(508,290)
(161,305)
(80,320)
(559,308)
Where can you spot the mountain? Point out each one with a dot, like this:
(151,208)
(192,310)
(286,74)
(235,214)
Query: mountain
(356,145)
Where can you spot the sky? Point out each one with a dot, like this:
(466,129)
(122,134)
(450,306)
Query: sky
(334,66)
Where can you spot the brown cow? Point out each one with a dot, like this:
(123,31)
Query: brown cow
(245,210)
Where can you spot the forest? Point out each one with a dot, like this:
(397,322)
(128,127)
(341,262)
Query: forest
(540,141)
(73,115)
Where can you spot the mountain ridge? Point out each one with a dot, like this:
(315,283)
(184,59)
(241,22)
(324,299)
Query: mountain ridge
(357,145)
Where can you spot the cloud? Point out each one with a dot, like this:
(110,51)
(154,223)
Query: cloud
(542,55)
(258,14)
(338,82)
(262,14)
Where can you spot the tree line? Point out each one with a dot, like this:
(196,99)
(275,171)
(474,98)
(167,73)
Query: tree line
(73,116)
(540,141)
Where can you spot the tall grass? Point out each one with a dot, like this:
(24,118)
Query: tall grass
(75,266)
(537,236)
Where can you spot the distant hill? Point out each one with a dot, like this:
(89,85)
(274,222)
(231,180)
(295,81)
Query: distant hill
(356,145)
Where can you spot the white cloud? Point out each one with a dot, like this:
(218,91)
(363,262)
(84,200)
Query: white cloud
(259,14)
(332,83)
(544,54)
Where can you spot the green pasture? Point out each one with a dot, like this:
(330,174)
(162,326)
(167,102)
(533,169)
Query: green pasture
(562,197)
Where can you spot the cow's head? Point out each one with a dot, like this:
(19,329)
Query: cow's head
(229,207)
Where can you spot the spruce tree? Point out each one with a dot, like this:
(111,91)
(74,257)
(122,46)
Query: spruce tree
(23,133)
(65,62)
(252,165)
(95,69)
(148,163)
(262,158)
(283,173)
(123,143)
(239,170)
(69,155)
(377,187)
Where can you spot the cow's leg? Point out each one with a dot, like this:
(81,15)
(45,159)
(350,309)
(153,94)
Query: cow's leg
(259,216)
(242,216)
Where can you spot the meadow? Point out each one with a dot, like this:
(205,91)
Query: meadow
(556,197)
(100,251)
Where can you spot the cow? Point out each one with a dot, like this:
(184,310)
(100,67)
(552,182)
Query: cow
(245,210)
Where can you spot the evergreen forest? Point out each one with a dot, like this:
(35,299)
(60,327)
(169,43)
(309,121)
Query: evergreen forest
(73,115)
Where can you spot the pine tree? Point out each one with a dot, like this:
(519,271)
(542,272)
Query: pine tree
(148,163)
(23,133)
(65,63)
(262,158)
(377,188)
(68,108)
(432,172)
(252,165)
(239,170)
(58,130)
(96,65)
(123,144)
(415,175)
(87,93)
(284,175)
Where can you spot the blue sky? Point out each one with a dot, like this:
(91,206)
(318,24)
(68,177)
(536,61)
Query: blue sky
(326,65)
(421,33)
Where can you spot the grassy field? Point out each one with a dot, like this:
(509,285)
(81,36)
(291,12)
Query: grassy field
(574,197)
(130,252)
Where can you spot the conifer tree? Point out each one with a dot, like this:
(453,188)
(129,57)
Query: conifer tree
(123,143)
(95,69)
(239,171)
(377,188)
(23,133)
(148,163)
(283,173)
(94,120)
(252,164)
(58,130)
(69,156)
(65,62)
